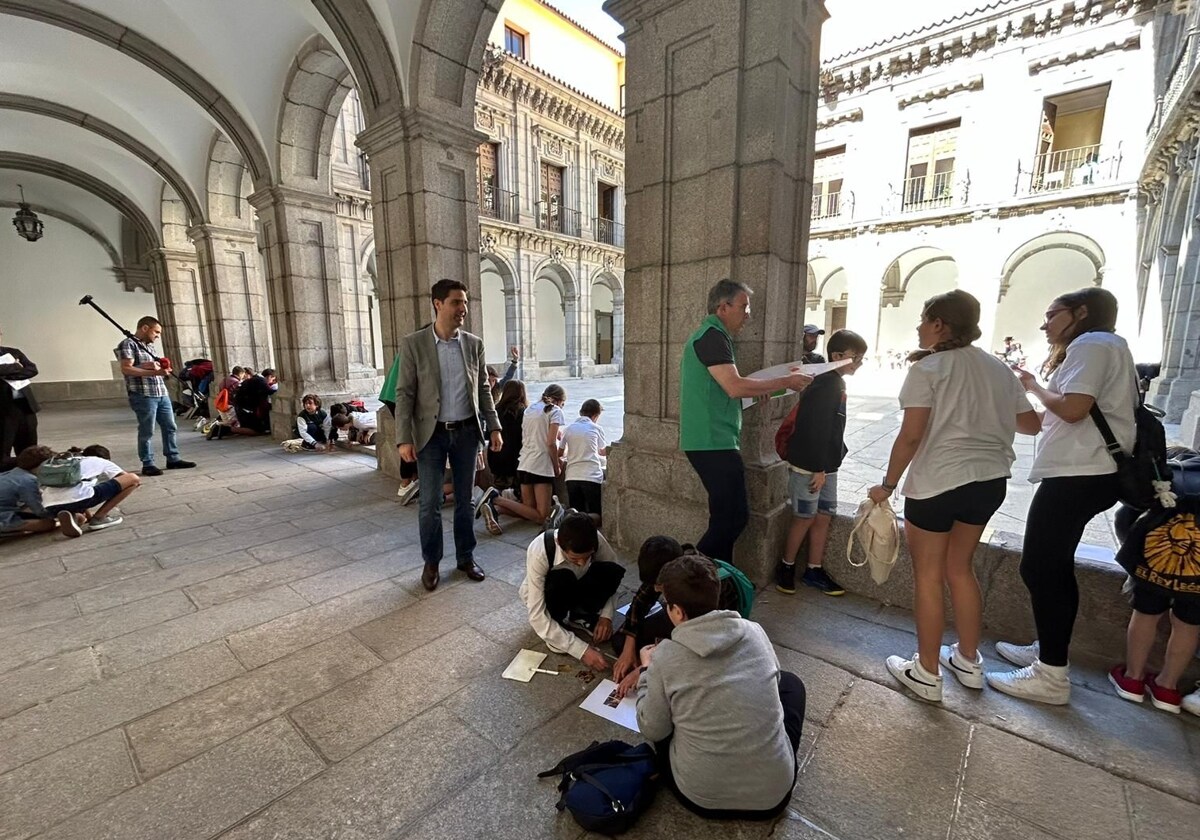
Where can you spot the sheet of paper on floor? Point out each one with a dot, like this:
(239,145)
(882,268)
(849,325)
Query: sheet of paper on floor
(524,665)
(625,609)
(623,714)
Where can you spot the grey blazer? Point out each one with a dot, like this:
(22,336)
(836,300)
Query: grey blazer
(419,387)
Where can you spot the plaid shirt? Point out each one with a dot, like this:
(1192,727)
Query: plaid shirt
(146,386)
(647,595)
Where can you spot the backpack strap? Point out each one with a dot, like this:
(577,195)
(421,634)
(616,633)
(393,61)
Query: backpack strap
(613,801)
(1110,440)
(548,542)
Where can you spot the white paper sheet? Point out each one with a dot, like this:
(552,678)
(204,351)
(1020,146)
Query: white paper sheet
(16,384)
(623,713)
(524,665)
(625,609)
(783,370)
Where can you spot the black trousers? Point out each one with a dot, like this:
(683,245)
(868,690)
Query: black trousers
(1060,510)
(567,595)
(18,430)
(792,696)
(723,475)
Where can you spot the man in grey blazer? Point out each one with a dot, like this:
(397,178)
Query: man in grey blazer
(444,410)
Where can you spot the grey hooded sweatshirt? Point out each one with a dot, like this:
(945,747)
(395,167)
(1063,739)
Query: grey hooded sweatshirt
(715,685)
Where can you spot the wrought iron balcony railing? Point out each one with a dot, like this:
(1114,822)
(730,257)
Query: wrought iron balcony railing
(1065,169)
(608,231)
(497,204)
(553,216)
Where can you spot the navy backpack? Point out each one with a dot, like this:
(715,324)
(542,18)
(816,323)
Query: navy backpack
(606,787)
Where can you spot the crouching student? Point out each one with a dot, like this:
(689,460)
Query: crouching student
(313,425)
(21,508)
(103,485)
(724,749)
(360,426)
(577,586)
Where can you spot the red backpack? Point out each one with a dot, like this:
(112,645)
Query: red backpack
(784,433)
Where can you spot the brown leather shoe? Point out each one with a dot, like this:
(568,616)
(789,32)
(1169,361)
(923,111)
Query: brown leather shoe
(430,578)
(472,570)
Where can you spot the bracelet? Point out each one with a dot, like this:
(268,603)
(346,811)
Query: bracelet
(891,488)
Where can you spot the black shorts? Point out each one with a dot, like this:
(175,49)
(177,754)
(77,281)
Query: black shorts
(1150,601)
(584,496)
(971,504)
(101,493)
(533,478)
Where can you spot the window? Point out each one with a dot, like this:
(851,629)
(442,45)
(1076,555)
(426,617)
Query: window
(486,176)
(930,181)
(827,183)
(514,40)
(621,96)
(1068,149)
(551,211)
(608,230)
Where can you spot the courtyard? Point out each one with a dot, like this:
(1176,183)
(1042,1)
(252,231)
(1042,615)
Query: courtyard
(251,655)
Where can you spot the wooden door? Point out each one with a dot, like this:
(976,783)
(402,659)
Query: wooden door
(486,175)
(604,338)
(552,178)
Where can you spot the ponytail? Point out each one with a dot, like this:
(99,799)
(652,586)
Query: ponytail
(959,311)
(553,394)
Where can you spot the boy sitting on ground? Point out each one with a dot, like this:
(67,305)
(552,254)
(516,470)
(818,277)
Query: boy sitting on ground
(21,507)
(102,484)
(705,697)
(577,585)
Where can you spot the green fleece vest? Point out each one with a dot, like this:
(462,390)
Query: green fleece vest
(388,392)
(709,419)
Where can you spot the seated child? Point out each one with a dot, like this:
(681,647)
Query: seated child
(578,584)
(313,425)
(103,484)
(21,507)
(585,443)
(706,698)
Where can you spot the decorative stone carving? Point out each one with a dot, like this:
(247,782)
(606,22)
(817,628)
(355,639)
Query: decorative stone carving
(557,254)
(609,262)
(1133,42)
(487,243)
(973,83)
(485,120)
(854,115)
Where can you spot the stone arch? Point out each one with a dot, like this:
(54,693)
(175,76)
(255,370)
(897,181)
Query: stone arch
(1064,240)
(447,54)
(554,347)
(909,280)
(827,301)
(317,83)
(499,305)
(358,33)
(229,186)
(74,221)
(614,330)
(110,33)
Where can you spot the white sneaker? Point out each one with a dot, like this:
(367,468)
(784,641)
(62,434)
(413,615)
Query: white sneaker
(1033,682)
(509,494)
(1191,702)
(910,674)
(968,673)
(69,525)
(489,518)
(1020,655)
(408,492)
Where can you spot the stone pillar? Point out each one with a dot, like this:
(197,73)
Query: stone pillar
(235,296)
(300,236)
(426,216)
(179,299)
(742,76)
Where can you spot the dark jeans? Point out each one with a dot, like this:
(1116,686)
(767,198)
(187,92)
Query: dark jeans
(792,696)
(586,595)
(724,478)
(460,446)
(18,429)
(317,432)
(149,410)
(1060,510)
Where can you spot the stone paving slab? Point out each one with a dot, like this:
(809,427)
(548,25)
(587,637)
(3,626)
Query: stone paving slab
(47,678)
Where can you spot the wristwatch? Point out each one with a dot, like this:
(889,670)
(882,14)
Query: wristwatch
(891,488)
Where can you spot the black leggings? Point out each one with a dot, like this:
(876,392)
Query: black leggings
(584,596)
(792,696)
(724,478)
(1060,510)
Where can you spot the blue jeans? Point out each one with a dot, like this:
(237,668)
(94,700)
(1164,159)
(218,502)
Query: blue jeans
(149,409)
(461,447)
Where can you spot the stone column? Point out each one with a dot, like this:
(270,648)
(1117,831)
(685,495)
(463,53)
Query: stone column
(426,216)
(721,106)
(300,236)
(235,296)
(179,299)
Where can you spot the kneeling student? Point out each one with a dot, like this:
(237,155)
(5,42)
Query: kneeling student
(578,584)
(726,747)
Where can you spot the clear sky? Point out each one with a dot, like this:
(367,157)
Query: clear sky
(852,23)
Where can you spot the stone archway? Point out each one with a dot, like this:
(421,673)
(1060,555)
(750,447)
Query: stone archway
(554,322)
(499,307)
(607,322)
(910,280)
(828,298)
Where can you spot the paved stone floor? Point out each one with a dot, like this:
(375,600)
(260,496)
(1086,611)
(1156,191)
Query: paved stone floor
(251,655)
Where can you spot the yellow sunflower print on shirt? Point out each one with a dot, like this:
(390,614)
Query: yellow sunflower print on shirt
(1172,549)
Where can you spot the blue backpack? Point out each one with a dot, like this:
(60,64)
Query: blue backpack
(607,786)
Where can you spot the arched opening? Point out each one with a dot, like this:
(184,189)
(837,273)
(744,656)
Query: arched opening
(1035,274)
(602,307)
(828,296)
(556,321)
(908,282)
(498,307)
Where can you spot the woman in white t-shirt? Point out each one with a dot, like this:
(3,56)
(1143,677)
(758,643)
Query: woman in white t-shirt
(540,461)
(1088,366)
(962,409)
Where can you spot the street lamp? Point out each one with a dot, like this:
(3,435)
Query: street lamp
(28,225)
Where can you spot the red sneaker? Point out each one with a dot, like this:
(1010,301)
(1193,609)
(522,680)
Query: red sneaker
(1127,687)
(1167,699)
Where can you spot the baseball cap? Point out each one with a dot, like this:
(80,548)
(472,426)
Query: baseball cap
(813,329)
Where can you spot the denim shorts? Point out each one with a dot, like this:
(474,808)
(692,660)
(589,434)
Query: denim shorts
(805,503)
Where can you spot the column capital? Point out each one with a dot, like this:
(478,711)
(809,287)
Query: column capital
(197,233)
(262,200)
(180,254)
(411,124)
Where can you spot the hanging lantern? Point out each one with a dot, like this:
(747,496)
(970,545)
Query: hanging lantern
(28,225)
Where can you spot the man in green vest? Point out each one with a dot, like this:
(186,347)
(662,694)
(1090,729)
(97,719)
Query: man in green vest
(710,414)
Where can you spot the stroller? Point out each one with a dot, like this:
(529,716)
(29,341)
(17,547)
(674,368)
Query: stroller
(194,381)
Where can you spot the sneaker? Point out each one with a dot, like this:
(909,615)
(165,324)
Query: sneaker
(180,465)
(69,525)
(1191,703)
(1033,682)
(482,501)
(818,578)
(408,492)
(1167,699)
(785,578)
(509,494)
(1127,687)
(557,512)
(583,623)
(150,469)
(968,673)
(910,674)
(99,523)
(1020,655)
(489,518)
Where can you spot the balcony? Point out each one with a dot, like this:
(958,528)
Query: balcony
(1066,169)
(925,193)
(554,217)
(497,204)
(832,208)
(1176,82)
(608,231)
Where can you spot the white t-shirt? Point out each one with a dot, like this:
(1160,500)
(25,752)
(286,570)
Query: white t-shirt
(533,592)
(1100,365)
(975,400)
(535,456)
(584,439)
(364,421)
(92,470)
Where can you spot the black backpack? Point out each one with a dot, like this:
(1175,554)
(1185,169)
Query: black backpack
(1148,463)
(606,787)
